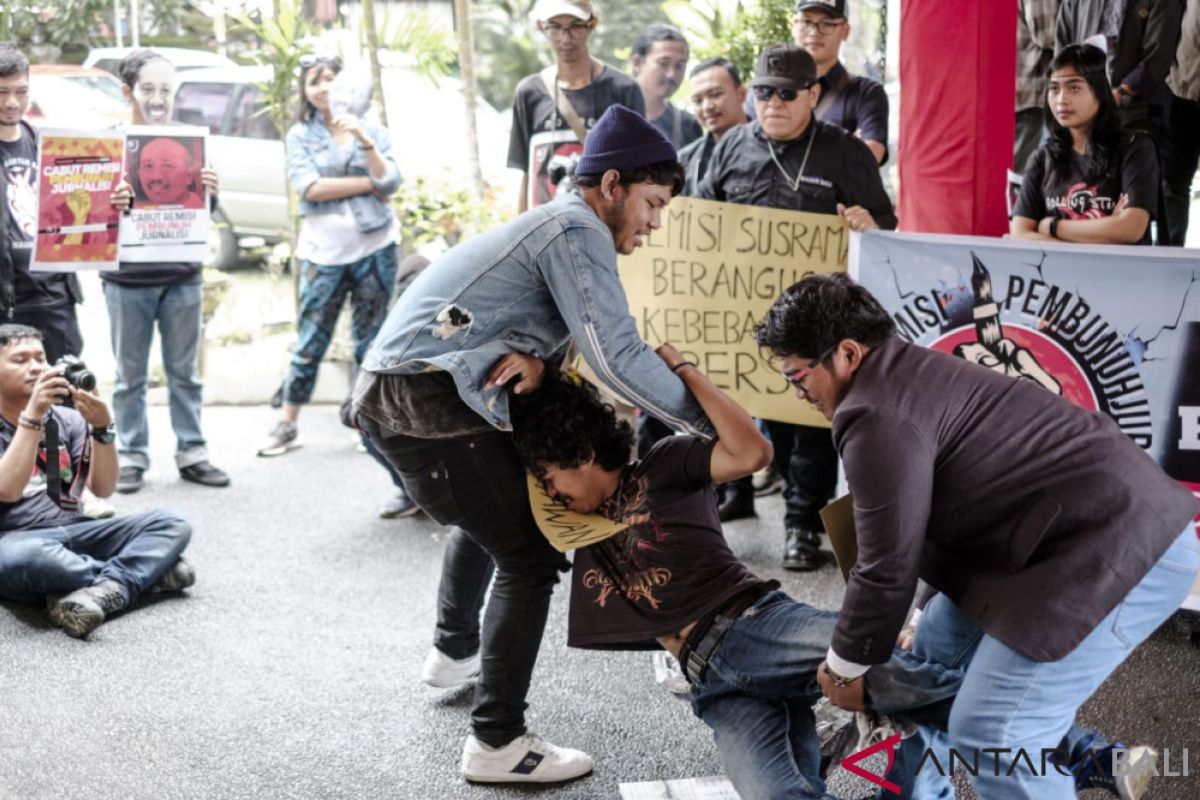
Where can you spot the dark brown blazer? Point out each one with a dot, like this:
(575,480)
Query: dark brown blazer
(1034,516)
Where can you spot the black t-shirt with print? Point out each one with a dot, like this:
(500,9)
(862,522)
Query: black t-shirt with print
(1045,194)
(534,128)
(36,509)
(670,567)
(38,289)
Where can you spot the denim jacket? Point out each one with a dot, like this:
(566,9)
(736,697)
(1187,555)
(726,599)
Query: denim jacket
(312,154)
(530,286)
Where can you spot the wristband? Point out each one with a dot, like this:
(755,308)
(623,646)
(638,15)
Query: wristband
(370,146)
(682,364)
(1054,228)
(26,421)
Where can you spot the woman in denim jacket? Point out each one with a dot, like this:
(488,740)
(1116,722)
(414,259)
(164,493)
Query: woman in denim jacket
(343,172)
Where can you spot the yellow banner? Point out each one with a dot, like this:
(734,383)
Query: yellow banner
(566,529)
(705,279)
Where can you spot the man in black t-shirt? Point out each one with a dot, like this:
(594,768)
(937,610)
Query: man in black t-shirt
(660,56)
(669,579)
(89,569)
(44,300)
(542,143)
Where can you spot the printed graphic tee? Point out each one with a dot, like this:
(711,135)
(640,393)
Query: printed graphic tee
(1044,194)
(540,134)
(36,509)
(39,289)
(670,567)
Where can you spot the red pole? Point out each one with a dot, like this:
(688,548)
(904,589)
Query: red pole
(957,109)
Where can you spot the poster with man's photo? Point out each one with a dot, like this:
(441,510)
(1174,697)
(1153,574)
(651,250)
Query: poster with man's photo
(76,223)
(169,220)
(552,158)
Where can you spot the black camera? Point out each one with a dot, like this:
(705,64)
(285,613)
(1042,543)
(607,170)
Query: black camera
(561,171)
(76,373)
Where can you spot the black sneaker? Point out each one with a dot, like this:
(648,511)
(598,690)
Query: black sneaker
(801,550)
(129,479)
(82,611)
(204,474)
(738,504)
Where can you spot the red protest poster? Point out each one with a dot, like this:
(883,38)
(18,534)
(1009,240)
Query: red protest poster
(77,226)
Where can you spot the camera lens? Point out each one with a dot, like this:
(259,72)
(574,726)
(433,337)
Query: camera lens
(85,379)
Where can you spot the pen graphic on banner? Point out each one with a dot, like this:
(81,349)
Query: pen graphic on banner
(987,313)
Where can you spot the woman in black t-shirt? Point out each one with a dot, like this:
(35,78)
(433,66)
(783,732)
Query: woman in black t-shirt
(1091,182)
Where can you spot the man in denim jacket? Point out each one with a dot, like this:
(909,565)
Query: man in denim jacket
(432,397)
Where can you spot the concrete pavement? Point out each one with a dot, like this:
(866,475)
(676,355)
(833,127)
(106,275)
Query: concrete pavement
(291,669)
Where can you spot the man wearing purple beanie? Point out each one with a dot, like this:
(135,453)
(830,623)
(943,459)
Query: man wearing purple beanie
(432,397)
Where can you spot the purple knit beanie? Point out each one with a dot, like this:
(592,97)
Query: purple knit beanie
(623,140)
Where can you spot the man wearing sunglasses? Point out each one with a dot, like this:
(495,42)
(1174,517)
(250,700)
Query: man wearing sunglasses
(789,159)
(854,103)
(544,138)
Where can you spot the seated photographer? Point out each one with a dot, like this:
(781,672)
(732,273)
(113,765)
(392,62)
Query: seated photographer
(749,650)
(88,569)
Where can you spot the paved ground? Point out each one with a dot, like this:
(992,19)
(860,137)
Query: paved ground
(290,670)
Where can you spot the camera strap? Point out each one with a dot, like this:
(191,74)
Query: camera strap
(562,104)
(52,467)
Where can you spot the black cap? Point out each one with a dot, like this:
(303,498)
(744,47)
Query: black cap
(785,66)
(834,8)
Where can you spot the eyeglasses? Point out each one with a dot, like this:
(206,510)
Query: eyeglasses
(763,94)
(797,378)
(823,26)
(574,29)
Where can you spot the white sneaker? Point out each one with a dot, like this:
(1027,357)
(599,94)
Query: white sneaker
(443,672)
(526,759)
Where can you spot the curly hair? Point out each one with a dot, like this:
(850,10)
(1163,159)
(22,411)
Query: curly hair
(566,424)
(662,173)
(812,316)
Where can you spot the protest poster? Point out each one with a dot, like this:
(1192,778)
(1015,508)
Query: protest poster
(169,220)
(706,278)
(1112,329)
(77,225)
(567,530)
(715,787)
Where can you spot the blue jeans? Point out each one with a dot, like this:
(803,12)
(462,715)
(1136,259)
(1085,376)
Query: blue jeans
(134,551)
(132,312)
(1013,702)
(323,290)
(760,684)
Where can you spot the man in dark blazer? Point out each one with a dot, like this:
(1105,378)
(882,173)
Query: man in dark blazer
(1056,543)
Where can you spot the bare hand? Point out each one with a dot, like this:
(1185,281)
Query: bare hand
(93,410)
(667,352)
(208,176)
(353,126)
(529,369)
(122,196)
(905,640)
(857,217)
(50,389)
(1122,204)
(847,697)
